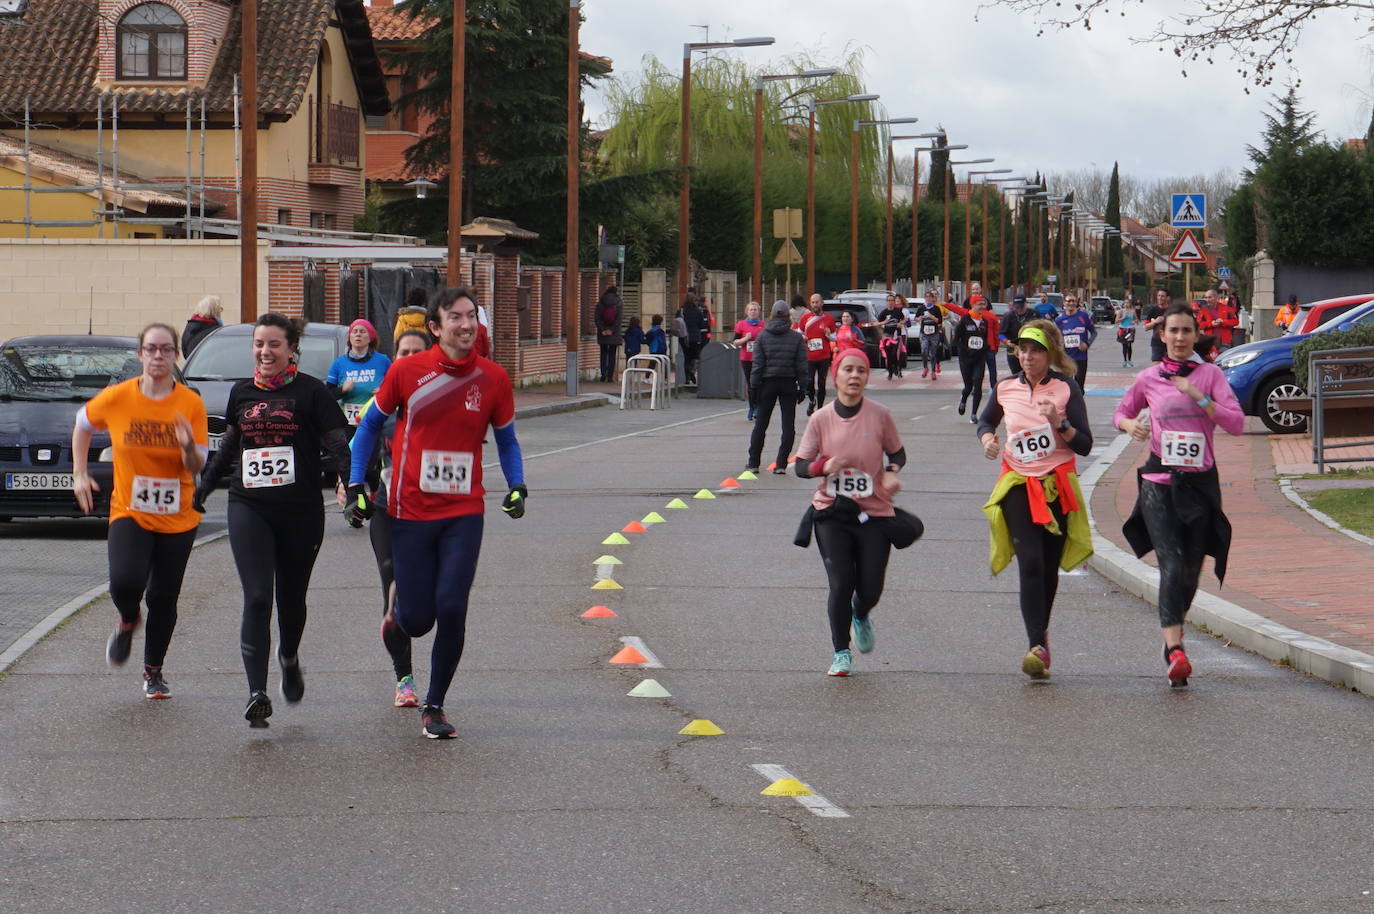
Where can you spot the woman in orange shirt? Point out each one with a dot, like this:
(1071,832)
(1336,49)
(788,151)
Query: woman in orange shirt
(158,435)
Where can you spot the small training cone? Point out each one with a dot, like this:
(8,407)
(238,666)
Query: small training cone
(606,584)
(629,655)
(772,466)
(747,475)
(607,560)
(701,727)
(786,787)
(676,504)
(729,484)
(615,539)
(599,612)
(792,459)
(705,493)
(653,517)
(649,688)
(634,526)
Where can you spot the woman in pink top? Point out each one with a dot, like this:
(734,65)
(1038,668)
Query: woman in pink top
(1178,506)
(848,335)
(746,332)
(852,447)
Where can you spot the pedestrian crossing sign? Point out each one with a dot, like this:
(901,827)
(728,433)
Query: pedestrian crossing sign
(1188,250)
(1188,211)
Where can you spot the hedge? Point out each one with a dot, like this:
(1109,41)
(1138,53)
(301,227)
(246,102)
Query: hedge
(1362,336)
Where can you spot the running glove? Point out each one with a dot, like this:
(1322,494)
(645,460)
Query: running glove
(357,506)
(198,499)
(514,505)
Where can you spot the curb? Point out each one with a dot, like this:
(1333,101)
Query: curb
(1286,487)
(582,401)
(1318,657)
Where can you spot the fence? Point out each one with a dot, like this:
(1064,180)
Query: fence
(1342,379)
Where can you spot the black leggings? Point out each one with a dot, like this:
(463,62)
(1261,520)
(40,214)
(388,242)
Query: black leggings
(1037,561)
(991,358)
(1081,373)
(1179,548)
(396,642)
(855,557)
(781,392)
(971,367)
(148,566)
(815,385)
(748,369)
(1126,350)
(274,550)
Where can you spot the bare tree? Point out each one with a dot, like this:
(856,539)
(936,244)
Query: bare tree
(1145,200)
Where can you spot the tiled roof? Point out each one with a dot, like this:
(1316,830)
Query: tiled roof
(50,54)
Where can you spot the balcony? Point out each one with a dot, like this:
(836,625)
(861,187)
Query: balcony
(335,132)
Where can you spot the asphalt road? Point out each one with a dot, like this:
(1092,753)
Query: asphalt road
(964,786)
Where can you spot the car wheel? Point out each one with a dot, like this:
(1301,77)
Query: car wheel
(1275,419)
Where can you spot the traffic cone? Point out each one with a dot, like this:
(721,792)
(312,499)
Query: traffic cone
(786,787)
(676,504)
(629,655)
(634,526)
(599,612)
(649,688)
(615,539)
(606,584)
(705,494)
(729,484)
(607,560)
(747,475)
(700,727)
(653,517)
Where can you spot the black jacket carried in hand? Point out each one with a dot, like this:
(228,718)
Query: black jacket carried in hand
(779,353)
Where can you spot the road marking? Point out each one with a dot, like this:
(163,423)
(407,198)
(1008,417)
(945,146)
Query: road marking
(914,418)
(638,644)
(647,431)
(816,804)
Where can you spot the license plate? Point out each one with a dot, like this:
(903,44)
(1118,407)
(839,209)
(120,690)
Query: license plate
(32,481)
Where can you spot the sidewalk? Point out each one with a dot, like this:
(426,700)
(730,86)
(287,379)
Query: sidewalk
(548,399)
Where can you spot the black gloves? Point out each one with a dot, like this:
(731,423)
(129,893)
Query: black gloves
(357,506)
(514,505)
(198,499)
(801,395)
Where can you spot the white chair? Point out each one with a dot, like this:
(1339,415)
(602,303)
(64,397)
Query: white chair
(628,390)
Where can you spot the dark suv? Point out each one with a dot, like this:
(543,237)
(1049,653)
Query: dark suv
(865,318)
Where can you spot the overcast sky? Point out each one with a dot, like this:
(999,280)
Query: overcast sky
(1062,101)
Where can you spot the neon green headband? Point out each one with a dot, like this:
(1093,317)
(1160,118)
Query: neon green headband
(1034,334)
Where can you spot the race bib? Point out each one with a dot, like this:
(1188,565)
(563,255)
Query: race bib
(268,467)
(928,329)
(749,347)
(353,412)
(1032,444)
(1071,341)
(815,344)
(1182,449)
(849,482)
(446,472)
(151,495)
(975,343)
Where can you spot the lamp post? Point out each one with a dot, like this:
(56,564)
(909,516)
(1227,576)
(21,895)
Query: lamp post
(758,164)
(1017,194)
(1001,232)
(915,195)
(1023,213)
(968,222)
(811,177)
(949,195)
(684,206)
(916,200)
(854,190)
(456,106)
(572,286)
(248,200)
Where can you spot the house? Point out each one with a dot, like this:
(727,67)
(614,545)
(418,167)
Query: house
(118,95)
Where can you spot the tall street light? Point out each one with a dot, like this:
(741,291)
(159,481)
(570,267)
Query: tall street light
(248,200)
(950,187)
(854,189)
(572,287)
(915,205)
(456,106)
(758,164)
(1021,193)
(1001,232)
(1053,202)
(811,177)
(968,220)
(915,192)
(684,206)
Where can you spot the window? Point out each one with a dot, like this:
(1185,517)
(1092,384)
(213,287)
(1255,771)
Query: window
(151,43)
(283,217)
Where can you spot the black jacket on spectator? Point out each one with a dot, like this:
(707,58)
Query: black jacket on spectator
(779,352)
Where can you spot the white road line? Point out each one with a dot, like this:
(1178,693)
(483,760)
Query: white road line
(816,804)
(914,418)
(948,406)
(637,643)
(647,431)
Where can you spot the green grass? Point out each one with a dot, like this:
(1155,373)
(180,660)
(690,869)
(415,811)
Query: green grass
(1364,473)
(1351,508)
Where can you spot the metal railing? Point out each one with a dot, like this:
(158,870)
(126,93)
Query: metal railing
(334,139)
(1338,375)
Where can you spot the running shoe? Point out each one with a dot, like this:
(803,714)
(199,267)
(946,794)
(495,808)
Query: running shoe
(292,679)
(405,693)
(258,710)
(435,724)
(751,469)
(863,634)
(963,406)
(925,372)
(154,686)
(841,664)
(1179,667)
(121,642)
(780,470)
(1036,663)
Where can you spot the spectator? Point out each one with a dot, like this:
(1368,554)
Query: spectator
(203,319)
(697,325)
(779,376)
(1286,314)
(656,338)
(608,337)
(634,339)
(1154,322)
(680,341)
(1224,318)
(411,316)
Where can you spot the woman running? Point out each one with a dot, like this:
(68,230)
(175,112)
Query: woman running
(847,335)
(747,331)
(932,332)
(975,330)
(354,375)
(1036,510)
(278,422)
(1178,506)
(159,438)
(853,448)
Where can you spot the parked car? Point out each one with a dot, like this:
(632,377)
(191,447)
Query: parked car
(865,312)
(1102,309)
(44,380)
(1262,372)
(1317,313)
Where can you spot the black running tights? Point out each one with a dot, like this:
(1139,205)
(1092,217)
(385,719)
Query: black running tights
(815,387)
(148,566)
(780,392)
(396,642)
(1179,548)
(972,365)
(855,557)
(274,550)
(1037,560)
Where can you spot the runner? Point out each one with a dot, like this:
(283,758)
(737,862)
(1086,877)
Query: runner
(1178,510)
(974,332)
(931,318)
(278,422)
(855,451)
(354,375)
(1078,332)
(1036,511)
(450,396)
(848,335)
(747,331)
(818,328)
(159,438)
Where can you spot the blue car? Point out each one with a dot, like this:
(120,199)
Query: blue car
(1262,372)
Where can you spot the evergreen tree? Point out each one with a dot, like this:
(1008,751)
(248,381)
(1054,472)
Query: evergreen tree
(939,164)
(1288,128)
(1113,217)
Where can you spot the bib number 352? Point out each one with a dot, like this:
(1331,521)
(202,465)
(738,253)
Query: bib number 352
(446,472)
(850,483)
(1182,449)
(269,467)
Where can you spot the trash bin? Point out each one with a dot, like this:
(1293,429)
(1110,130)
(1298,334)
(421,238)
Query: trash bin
(718,375)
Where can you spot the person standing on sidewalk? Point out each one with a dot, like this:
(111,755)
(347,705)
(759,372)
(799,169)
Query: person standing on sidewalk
(854,451)
(159,438)
(779,373)
(818,329)
(1224,319)
(1036,511)
(450,396)
(278,422)
(747,330)
(1078,332)
(607,320)
(1178,510)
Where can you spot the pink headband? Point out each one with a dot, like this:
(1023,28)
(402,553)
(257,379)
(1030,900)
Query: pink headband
(366,325)
(839,360)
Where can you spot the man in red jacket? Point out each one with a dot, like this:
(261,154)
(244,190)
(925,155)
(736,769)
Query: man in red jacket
(1225,318)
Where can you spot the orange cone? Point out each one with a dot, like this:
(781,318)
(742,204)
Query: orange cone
(772,466)
(792,459)
(634,526)
(729,484)
(599,612)
(629,655)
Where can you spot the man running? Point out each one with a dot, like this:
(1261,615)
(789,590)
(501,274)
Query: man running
(819,330)
(448,397)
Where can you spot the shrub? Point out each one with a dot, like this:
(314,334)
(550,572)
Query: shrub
(1359,337)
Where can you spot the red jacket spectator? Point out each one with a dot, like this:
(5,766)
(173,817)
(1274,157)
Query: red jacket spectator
(992,321)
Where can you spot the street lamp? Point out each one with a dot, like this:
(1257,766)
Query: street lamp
(1001,231)
(968,219)
(1022,194)
(572,286)
(811,176)
(916,198)
(854,189)
(685,194)
(949,192)
(915,185)
(758,164)
(421,186)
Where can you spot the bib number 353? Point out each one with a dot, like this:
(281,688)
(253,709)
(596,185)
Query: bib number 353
(269,467)
(850,483)
(446,472)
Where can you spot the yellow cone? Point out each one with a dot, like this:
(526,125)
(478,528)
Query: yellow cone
(701,727)
(606,584)
(608,560)
(704,493)
(786,787)
(747,474)
(676,503)
(615,539)
(653,517)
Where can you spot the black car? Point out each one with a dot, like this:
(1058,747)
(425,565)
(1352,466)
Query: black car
(44,381)
(1102,310)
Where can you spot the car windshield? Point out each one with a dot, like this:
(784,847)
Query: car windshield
(1332,323)
(226,357)
(51,372)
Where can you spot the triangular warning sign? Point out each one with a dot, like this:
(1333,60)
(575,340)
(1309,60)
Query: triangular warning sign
(788,254)
(1188,250)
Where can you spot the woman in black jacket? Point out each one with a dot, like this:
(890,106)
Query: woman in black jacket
(778,377)
(607,318)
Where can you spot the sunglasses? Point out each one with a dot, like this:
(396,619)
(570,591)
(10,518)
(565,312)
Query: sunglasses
(158,350)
